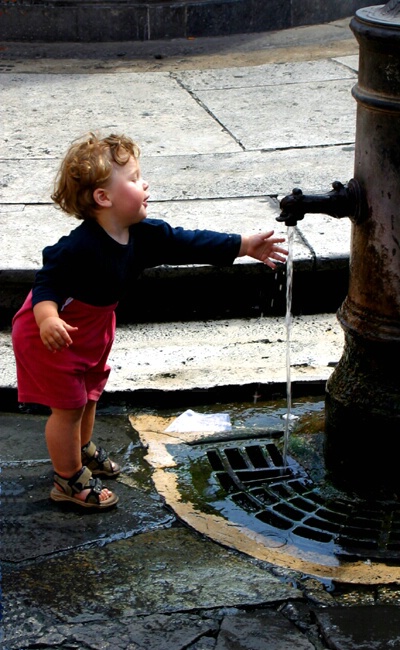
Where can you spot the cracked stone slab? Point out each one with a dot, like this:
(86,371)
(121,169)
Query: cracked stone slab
(212,630)
(165,571)
(153,632)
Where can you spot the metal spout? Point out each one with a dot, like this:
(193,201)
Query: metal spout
(343,201)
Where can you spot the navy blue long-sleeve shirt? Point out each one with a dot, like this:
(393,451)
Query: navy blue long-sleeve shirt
(92,267)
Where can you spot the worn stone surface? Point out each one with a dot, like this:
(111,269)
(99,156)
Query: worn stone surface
(162,571)
(154,632)
(212,630)
(157,573)
(301,121)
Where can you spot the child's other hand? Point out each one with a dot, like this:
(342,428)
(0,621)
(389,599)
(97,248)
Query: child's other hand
(54,333)
(264,247)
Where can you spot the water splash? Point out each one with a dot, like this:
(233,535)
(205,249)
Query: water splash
(288,323)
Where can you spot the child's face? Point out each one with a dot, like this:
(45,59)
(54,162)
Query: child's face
(128,193)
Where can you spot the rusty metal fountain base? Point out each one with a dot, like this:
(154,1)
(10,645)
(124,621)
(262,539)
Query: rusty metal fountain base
(362,424)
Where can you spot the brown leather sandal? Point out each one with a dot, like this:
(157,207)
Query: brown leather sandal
(82,480)
(96,459)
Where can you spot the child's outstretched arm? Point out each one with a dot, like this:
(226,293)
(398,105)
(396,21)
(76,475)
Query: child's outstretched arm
(54,331)
(264,247)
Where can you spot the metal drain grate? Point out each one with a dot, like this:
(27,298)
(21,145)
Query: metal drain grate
(285,498)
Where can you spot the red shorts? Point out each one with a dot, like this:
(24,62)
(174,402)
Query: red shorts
(69,378)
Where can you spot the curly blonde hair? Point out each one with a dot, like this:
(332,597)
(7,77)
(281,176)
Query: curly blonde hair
(88,165)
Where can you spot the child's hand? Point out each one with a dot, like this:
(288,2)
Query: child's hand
(54,333)
(263,247)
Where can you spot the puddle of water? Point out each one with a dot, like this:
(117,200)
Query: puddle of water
(256,424)
(268,417)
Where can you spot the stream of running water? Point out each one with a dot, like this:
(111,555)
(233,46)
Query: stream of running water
(288,323)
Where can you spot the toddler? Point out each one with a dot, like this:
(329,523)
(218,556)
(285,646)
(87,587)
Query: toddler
(63,333)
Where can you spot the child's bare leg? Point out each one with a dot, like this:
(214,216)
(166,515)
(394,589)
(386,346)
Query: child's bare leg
(87,423)
(87,426)
(63,438)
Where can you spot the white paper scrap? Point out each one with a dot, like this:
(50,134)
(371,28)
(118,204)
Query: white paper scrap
(189,422)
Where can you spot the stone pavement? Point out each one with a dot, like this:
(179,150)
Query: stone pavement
(226,128)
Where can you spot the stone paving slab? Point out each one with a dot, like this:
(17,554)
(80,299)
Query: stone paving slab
(262,76)
(247,174)
(178,631)
(351,61)
(160,571)
(203,355)
(153,109)
(149,104)
(290,116)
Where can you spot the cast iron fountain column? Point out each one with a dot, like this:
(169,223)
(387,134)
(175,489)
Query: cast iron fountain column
(362,421)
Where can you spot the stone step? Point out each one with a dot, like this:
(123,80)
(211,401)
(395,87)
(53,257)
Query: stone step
(207,361)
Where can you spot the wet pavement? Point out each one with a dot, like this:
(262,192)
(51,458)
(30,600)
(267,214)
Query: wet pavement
(140,576)
(137,577)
